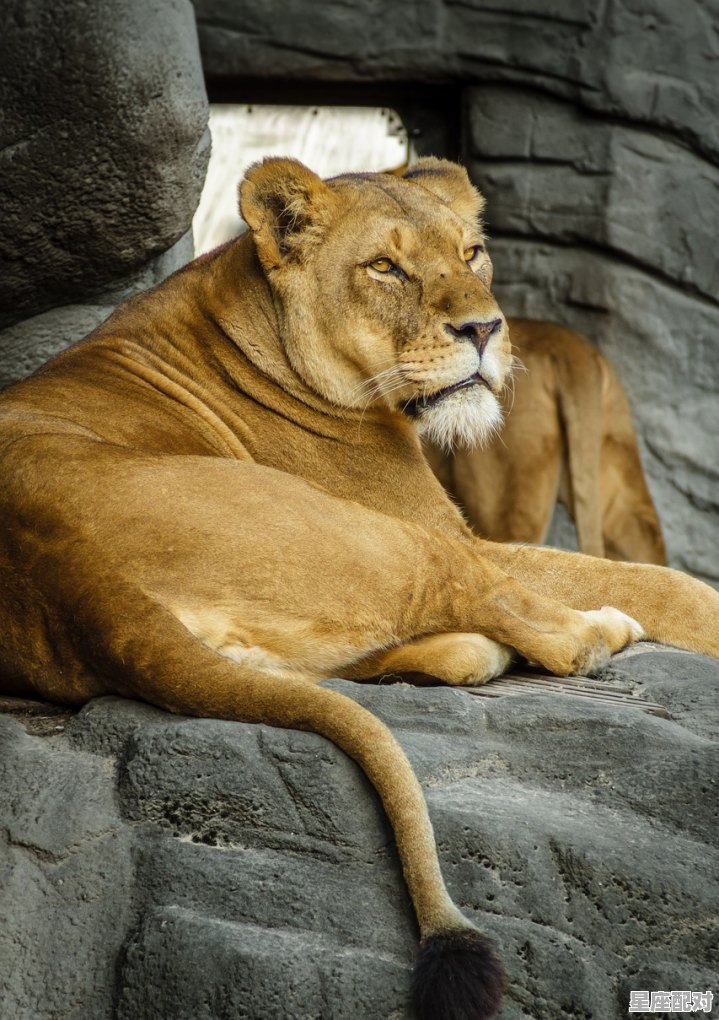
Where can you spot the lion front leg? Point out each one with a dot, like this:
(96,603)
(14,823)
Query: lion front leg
(577,642)
(671,607)
(563,640)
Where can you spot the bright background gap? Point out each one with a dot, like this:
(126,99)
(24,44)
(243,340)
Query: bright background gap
(328,139)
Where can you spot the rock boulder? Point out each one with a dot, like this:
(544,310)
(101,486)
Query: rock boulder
(163,868)
(103,147)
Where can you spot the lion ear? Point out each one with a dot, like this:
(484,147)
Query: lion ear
(286,206)
(450,183)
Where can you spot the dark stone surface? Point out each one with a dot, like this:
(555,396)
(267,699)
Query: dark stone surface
(66,879)
(644,60)
(26,345)
(207,870)
(553,169)
(103,148)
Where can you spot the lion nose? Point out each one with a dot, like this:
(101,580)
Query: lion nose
(477,333)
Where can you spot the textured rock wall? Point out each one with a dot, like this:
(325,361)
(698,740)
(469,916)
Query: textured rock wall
(593,128)
(27,344)
(103,151)
(158,868)
(651,61)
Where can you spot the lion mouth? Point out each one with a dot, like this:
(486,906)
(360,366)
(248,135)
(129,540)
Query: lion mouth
(413,408)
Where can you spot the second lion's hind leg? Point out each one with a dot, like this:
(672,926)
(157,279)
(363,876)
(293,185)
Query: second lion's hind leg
(460,660)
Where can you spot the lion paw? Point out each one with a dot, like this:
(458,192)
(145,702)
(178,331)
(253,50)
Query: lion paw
(625,628)
(612,630)
(588,642)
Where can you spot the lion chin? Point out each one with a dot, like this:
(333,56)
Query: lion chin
(469,417)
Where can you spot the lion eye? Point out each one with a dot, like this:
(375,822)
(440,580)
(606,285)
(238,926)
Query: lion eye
(382,265)
(471,253)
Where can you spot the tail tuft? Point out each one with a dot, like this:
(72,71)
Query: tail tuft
(457,976)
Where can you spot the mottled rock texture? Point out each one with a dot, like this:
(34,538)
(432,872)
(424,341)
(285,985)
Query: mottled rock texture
(162,868)
(26,345)
(593,129)
(103,148)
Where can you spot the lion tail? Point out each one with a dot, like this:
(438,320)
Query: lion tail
(458,975)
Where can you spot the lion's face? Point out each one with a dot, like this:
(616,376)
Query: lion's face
(382,286)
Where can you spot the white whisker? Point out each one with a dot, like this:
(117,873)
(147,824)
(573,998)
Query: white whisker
(377,384)
(509,387)
(380,385)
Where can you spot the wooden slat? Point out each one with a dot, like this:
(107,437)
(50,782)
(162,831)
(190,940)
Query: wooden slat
(515,684)
(575,682)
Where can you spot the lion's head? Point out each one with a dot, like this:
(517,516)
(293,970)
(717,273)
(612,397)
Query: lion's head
(382,289)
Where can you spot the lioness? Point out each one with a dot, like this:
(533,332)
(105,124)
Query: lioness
(219,498)
(568,435)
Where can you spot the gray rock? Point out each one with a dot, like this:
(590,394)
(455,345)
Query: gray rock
(214,870)
(648,62)
(26,345)
(253,972)
(551,170)
(682,682)
(103,148)
(66,879)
